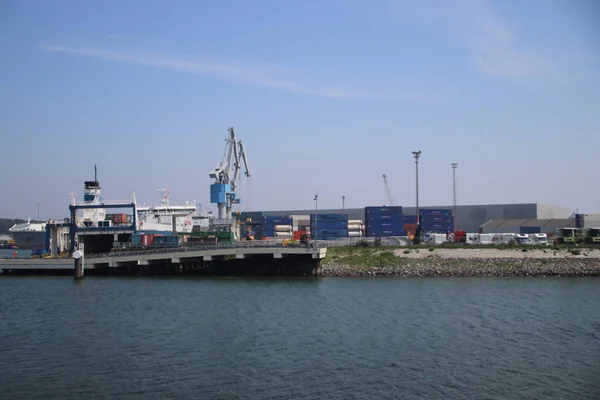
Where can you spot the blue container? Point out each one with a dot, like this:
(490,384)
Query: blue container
(381,218)
(386,232)
(410,219)
(136,240)
(384,209)
(329,224)
(329,217)
(386,225)
(437,226)
(335,232)
(436,219)
(276,220)
(438,212)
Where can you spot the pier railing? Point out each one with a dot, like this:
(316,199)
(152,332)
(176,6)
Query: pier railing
(203,247)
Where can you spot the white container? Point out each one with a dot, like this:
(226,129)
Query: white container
(283,234)
(283,228)
(354,234)
(355,221)
(355,227)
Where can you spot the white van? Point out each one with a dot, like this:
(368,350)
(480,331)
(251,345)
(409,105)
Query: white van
(539,238)
(522,238)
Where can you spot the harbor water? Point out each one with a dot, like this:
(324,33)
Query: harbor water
(321,338)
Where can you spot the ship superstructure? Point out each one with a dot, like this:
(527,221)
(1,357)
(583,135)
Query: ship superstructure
(165,217)
(29,235)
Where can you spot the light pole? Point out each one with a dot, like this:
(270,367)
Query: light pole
(38,205)
(343,204)
(316,216)
(416,155)
(454,166)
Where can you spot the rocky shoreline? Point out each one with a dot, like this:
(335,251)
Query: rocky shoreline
(460,263)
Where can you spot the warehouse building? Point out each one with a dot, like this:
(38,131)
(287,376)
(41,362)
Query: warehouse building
(468,217)
(526,225)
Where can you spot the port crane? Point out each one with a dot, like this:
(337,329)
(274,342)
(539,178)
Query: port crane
(223,191)
(388,193)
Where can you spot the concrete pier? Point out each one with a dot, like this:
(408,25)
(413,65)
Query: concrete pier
(235,259)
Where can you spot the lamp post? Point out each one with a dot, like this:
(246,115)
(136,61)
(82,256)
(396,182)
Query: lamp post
(316,216)
(38,206)
(454,166)
(416,155)
(343,204)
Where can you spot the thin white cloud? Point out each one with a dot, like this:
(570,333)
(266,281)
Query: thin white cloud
(492,43)
(212,69)
(246,75)
(496,47)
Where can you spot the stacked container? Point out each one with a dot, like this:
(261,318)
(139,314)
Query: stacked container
(384,221)
(276,226)
(328,226)
(436,220)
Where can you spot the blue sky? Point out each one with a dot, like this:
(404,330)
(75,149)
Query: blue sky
(326,95)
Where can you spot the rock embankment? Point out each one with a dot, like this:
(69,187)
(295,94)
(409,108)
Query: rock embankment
(460,262)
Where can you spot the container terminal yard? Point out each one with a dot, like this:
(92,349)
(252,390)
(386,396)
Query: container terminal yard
(104,236)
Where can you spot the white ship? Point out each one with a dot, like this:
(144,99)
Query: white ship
(161,218)
(29,235)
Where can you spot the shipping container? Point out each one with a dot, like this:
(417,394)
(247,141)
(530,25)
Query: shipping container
(386,232)
(384,209)
(330,224)
(329,218)
(435,211)
(387,224)
(277,220)
(437,225)
(136,240)
(119,218)
(379,217)
(431,227)
(436,218)
(339,232)
(410,219)
(147,240)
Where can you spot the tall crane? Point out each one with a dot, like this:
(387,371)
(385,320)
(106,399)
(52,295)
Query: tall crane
(224,191)
(388,193)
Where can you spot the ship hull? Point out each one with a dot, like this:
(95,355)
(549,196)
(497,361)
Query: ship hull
(29,240)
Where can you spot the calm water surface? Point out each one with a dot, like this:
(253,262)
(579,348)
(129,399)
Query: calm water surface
(345,338)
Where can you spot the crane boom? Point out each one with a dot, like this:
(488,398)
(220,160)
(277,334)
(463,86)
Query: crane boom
(388,193)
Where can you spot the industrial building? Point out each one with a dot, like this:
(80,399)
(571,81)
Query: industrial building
(527,226)
(467,217)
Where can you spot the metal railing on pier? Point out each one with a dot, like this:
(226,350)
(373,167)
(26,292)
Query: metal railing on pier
(133,251)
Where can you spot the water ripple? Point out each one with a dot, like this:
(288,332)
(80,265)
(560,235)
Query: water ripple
(299,339)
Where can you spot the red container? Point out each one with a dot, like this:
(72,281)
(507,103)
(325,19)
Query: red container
(119,218)
(147,240)
(297,235)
